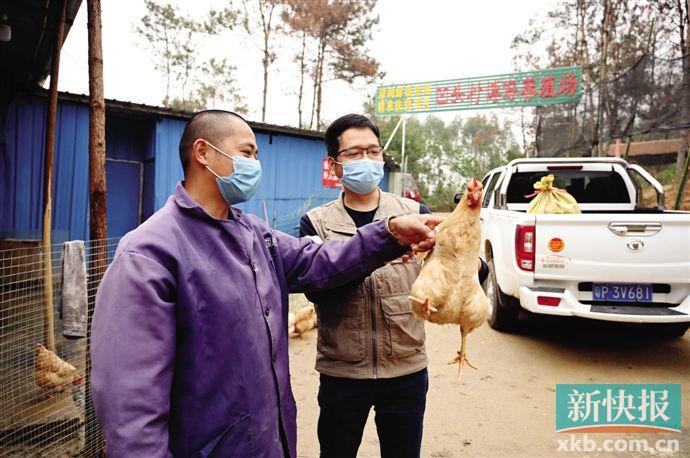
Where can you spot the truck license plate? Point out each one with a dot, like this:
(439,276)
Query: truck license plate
(618,292)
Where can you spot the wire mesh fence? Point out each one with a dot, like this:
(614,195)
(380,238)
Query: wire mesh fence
(45,402)
(288,222)
(45,406)
(649,97)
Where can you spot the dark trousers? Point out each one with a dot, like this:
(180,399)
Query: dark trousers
(399,405)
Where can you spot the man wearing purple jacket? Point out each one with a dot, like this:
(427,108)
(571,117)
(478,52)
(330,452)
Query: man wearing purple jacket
(189,338)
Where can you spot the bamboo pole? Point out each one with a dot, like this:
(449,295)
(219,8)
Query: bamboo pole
(49,321)
(97,201)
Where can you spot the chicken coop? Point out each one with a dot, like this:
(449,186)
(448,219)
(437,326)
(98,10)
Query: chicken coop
(42,400)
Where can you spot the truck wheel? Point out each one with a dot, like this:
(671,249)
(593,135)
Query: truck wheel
(503,310)
(671,330)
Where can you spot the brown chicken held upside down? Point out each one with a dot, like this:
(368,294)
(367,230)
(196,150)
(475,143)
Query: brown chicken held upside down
(447,290)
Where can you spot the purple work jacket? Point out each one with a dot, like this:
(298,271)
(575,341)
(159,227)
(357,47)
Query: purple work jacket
(189,339)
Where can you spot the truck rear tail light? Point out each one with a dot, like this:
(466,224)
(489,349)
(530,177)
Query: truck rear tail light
(524,247)
(563,167)
(548,300)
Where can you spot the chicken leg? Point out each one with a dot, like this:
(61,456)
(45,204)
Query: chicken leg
(461,359)
(428,308)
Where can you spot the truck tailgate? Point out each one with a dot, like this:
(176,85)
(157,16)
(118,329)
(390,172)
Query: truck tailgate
(628,248)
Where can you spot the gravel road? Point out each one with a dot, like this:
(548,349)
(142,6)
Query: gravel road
(507,407)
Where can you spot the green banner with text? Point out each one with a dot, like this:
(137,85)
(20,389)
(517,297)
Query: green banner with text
(535,88)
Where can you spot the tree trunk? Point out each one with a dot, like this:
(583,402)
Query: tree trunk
(602,74)
(580,40)
(684,29)
(48,321)
(266,27)
(265,90)
(97,201)
(524,133)
(167,69)
(537,132)
(320,86)
(97,186)
(302,69)
(317,65)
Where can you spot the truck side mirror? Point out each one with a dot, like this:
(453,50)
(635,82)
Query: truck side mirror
(457,198)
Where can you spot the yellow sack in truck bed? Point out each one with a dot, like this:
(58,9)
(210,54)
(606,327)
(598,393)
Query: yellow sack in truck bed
(551,200)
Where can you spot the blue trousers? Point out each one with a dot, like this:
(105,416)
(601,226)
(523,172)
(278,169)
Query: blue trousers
(399,404)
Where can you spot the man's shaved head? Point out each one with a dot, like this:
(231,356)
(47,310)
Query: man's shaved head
(211,125)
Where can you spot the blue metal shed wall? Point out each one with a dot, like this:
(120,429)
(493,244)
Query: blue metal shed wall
(167,168)
(384,181)
(127,139)
(22,170)
(291,182)
(21,166)
(291,164)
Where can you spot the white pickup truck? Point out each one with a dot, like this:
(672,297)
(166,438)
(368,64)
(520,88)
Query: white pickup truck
(620,260)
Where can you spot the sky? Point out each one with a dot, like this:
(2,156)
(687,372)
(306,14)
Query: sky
(415,40)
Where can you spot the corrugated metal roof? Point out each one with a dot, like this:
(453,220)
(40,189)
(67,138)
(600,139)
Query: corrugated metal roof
(132,107)
(291,183)
(129,108)
(22,167)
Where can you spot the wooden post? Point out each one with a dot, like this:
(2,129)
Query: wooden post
(627,148)
(48,321)
(682,182)
(97,201)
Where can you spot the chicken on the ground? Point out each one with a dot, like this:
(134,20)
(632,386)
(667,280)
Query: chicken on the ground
(302,321)
(53,374)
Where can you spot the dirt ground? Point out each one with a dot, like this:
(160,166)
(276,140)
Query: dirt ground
(507,407)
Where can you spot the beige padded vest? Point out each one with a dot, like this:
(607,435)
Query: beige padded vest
(369,331)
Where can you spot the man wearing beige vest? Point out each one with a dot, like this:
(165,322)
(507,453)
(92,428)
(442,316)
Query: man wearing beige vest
(370,349)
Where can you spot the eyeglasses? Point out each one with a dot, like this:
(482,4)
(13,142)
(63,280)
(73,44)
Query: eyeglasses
(357,152)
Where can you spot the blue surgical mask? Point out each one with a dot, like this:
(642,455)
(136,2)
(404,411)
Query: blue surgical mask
(240,185)
(362,176)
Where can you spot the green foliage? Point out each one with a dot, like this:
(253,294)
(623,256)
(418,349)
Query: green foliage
(173,39)
(666,175)
(338,32)
(605,37)
(333,34)
(189,105)
(442,157)
(167,33)
(442,199)
(219,86)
